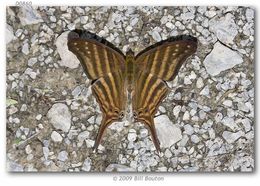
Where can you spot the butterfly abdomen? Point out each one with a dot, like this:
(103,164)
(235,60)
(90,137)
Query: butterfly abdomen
(130,71)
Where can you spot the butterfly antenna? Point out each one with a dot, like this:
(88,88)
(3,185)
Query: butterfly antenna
(123,30)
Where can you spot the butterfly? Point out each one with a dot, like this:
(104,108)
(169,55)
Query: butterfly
(142,78)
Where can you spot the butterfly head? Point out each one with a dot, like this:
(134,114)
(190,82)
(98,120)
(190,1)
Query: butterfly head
(130,52)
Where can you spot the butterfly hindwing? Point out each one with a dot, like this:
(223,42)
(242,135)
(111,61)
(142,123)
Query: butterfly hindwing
(109,93)
(148,93)
(165,58)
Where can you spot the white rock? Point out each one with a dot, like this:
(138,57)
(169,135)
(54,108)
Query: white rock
(229,122)
(29,15)
(45,152)
(87,164)
(169,25)
(224,28)
(168,153)
(186,116)
(63,156)
(231,137)
(32,61)
(131,136)
(134,21)
(9,33)
(28,149)
(14,167)
(143,133)
(83,135)
(228,103)
(56,137)
(250,14)
(129,28)
(195,139)
(167,132)
(221,58)
(25,49)
(68,59)
(53,19)
(247,124)
(38,117)
(188,129)
(90,143)
(156,36)
(205,91)
(119,168)
(60,117)
(245,107)
(218,117)
(176,110)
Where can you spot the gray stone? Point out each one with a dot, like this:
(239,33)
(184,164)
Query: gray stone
(156,36)
(188,129)
(231,137)
(221,58)
(87,164)
(68,59)
(119,168)
(9,34)
(56,137)
(25,49)
(167,132)
(29,15)
(250,14)
(60,116)
(14,167)
(63,156)
(195,139)
(32,61)
(46,152)
(83,135)
(38,117)
(168,153)
(76,92)
(224,28)
(131,136)
(143,133)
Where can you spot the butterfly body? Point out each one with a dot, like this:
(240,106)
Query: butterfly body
(140,79)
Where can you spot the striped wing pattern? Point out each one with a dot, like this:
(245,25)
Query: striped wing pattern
(164,61)
(109,92)
(105,66)
(148,94)
(96,58)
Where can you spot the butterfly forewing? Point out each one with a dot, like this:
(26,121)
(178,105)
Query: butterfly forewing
(96,58)
(164,59)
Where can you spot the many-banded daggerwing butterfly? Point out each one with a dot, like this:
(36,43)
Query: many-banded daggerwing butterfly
(115,75)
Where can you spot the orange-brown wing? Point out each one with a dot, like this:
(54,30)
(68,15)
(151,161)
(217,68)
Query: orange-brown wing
(165,58)
(97,56)
(149,91)
(109,92)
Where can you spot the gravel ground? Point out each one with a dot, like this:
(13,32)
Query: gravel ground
(205,124)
